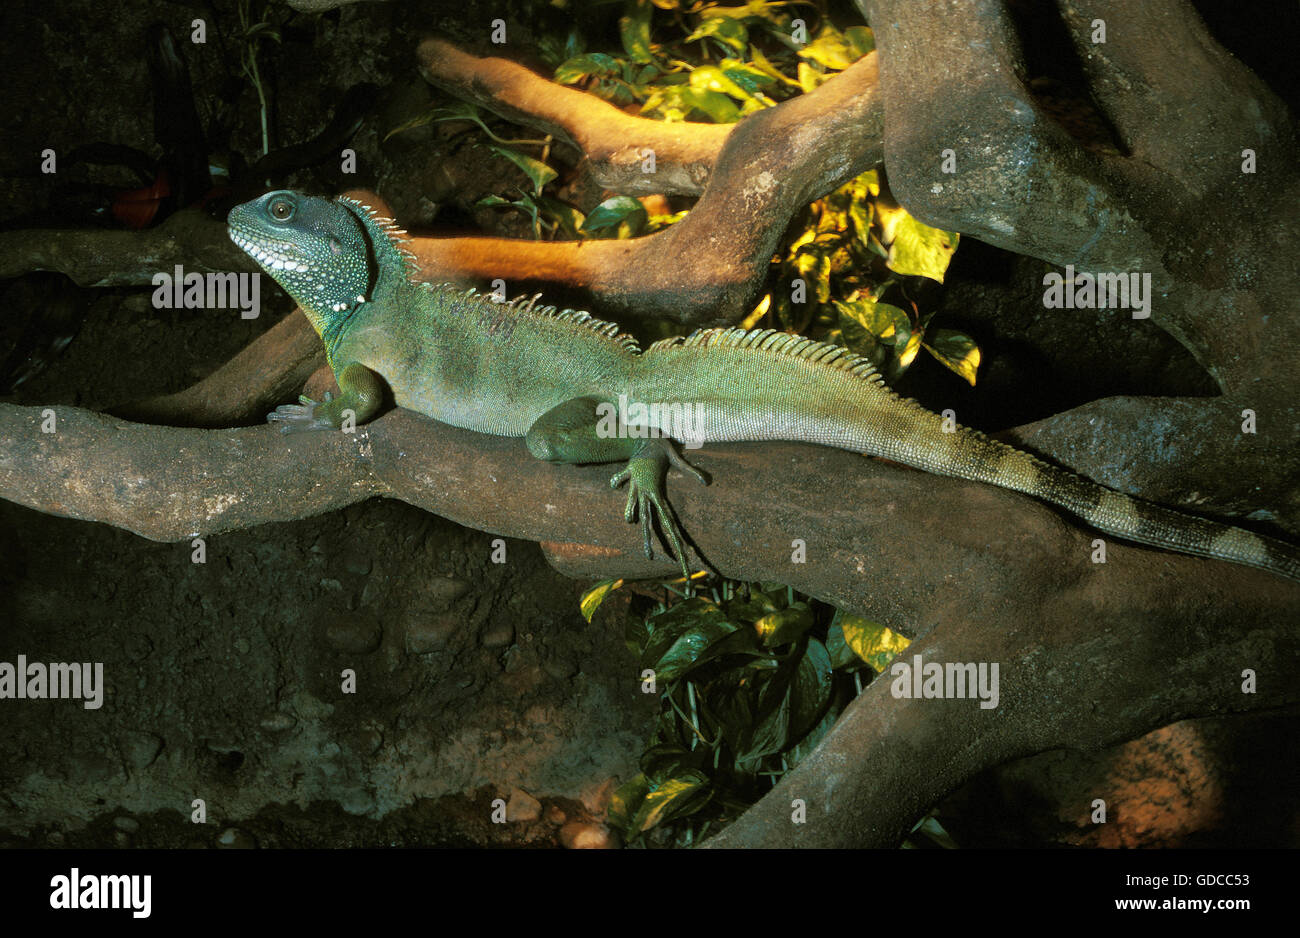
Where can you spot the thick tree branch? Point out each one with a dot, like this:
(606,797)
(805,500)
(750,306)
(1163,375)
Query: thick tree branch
(708,267)
(1188,453)
(942,544)
(124,258)
(1106,657)
(1022,183)
(269,371)
(615,143)
(1164,636)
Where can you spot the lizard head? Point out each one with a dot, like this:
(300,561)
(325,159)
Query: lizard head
(325,253)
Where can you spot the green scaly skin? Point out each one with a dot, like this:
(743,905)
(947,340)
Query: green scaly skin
(524,370)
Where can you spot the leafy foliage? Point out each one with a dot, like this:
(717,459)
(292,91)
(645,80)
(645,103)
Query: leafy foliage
(751,679)
(852,266)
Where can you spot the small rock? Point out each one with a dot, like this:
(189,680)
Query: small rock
(355,633)
(139,748)
(55,838)
(430,633)
(497,634)
(242,646)
(513,660)
(522,806)
(357,802)
(278,722)
(128,825)
(595,798)
(232,838)
(445,590)
(555,814)
(562,669)
(587,835)
(121,838)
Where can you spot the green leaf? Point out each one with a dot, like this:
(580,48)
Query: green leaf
(536,171)
(830,50)
(810,690)
(872,642)
(763,64)
(644,76)
(715,104)
(810,78)
(579,67)
(730,33)
(676,797)
(685,653)
(636,633)
(622,215)
(915,248)
(956,351)
(883,321)
(681,635)
(814,266)
(565,217)
(842,656)
(861,38)
(781,628)
(634,28)
(665,760)
(729,700)
(573,44)
(769,732)
(677,102)
(627,800)
(740,642)
(928,832)
(907,354)
(712,78)
(592,599)
(752,80)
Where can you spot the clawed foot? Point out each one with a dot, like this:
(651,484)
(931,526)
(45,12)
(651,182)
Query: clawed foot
(295,418)
(644,475)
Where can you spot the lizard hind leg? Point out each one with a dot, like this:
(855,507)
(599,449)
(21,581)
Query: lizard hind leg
(582,431)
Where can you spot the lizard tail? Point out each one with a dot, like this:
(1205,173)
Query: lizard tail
(1139,521)
(766,385)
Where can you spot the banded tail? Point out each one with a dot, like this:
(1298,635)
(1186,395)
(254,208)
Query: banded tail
(768,385)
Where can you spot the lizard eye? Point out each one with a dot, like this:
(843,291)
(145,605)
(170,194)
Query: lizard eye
(281,209)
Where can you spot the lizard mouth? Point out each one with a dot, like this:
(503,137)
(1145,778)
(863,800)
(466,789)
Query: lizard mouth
(272,255)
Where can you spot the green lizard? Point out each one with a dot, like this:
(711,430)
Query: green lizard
(562,380)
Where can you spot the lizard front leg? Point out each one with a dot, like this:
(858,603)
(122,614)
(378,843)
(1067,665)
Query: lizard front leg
(360,391)
(576,432)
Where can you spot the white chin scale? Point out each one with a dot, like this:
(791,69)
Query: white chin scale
(270,260)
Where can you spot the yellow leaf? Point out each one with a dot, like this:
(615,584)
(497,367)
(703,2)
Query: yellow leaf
(592,599)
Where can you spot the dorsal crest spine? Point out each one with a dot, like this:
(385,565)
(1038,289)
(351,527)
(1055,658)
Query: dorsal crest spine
(779,343)
(387,228)
(525,305)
